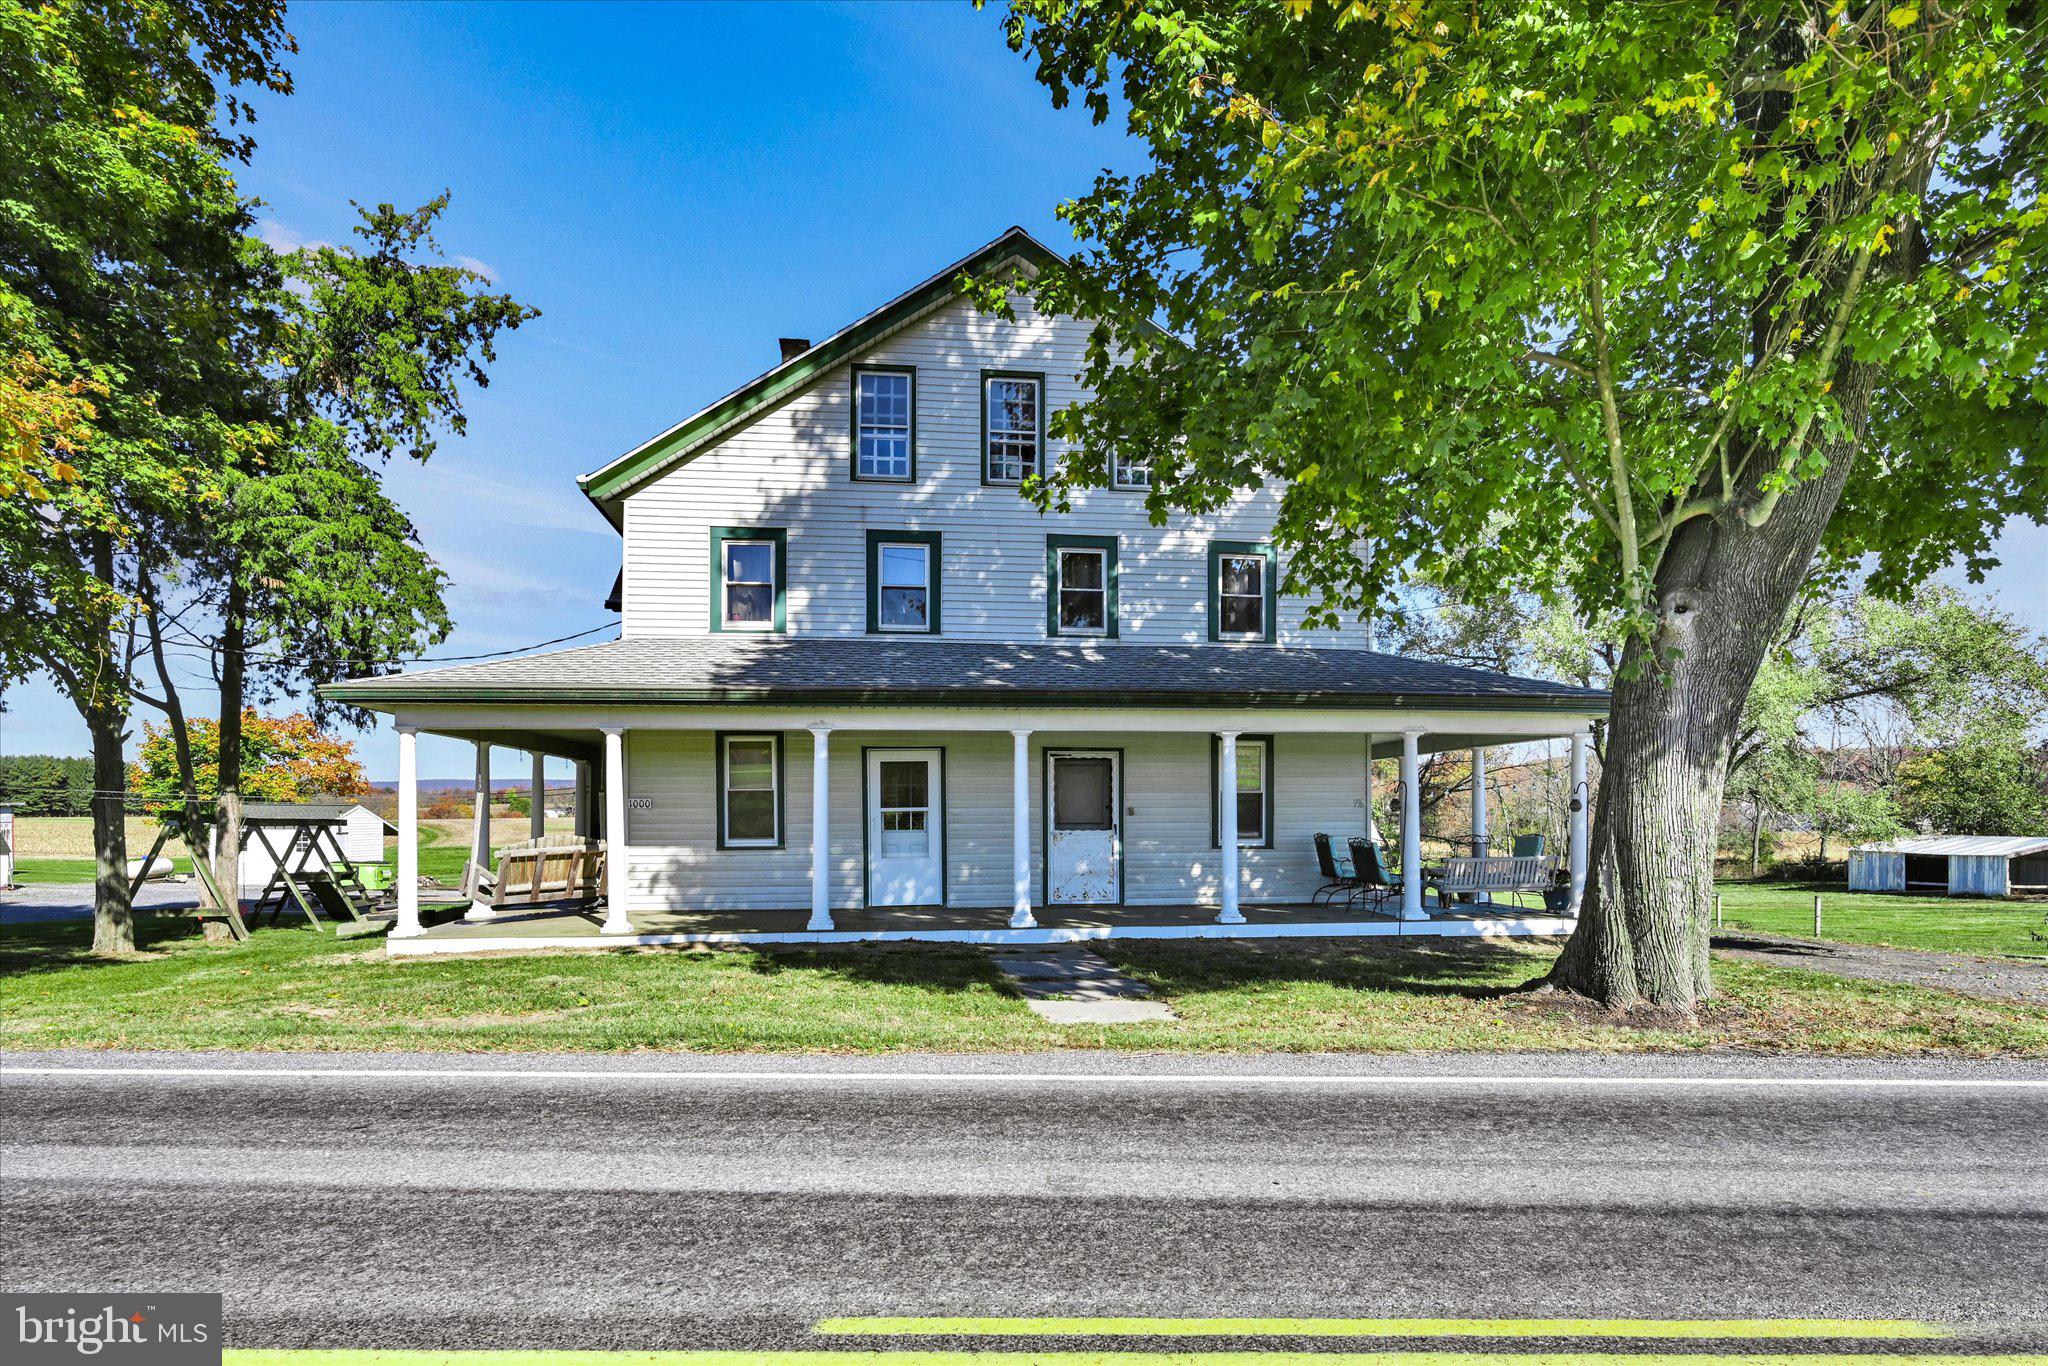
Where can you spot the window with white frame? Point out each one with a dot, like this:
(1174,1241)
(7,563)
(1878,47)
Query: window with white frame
(1254,789)
(749,585)
(750,791)
(1084,592)
(884,403)
(903,581)
(1132,475)
(1010,417)
(1241,596)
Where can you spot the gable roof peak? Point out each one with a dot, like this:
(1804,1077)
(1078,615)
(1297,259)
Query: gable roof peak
(796,372)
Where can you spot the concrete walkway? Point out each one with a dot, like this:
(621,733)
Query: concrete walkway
(1075,986)
(1990,979)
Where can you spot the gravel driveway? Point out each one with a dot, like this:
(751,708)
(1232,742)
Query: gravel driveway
(1992,979)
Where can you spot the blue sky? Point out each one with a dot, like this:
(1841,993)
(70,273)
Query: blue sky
(674,187)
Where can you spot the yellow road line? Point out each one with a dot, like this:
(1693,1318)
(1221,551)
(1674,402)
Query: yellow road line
(257,1357)
(1890,1329)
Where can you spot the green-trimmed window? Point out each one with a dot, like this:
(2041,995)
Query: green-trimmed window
(750,791)
(749,578)
(903,583)
(1012,426)
(1241,591)
(1080,586)
(1254,792)
(885,423)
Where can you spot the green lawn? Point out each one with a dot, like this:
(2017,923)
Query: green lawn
(295,988)
(1959,924)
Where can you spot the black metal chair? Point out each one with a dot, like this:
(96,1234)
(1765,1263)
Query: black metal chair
(1375,883)
(1335,879)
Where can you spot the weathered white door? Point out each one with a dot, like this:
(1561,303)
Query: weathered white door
(906,835)
(1084,838)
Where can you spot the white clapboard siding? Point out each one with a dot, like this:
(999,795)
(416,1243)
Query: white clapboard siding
(790,468)
(674,862)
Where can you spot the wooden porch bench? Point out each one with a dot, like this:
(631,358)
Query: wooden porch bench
(539,872)
(1529,875)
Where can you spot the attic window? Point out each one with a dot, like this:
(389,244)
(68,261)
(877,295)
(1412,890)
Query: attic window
(1013,427)
(884,424)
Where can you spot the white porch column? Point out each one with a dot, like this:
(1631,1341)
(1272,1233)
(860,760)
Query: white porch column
(579,804)
(1021,917)
(615,918)
(1479,802)
(1411,827)
(537,797)
(408,925)
(1226,824)
(1580,802)
(480,839)
(821,828)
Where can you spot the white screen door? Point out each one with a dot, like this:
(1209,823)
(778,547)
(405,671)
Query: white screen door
(906,836)
(1084,834)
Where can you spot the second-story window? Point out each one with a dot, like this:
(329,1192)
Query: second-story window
(1013,426)
(1130,475)
(884,424)
(903,582)
(1080,586)
(1241,591)
(749,570)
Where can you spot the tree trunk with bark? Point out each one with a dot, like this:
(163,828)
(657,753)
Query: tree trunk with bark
(227,812)
(1756,839)
(1721,591)
(113,920)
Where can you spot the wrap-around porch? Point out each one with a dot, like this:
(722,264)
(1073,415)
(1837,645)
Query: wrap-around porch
(656,893)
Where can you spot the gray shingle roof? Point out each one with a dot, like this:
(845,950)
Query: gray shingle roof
(721,669)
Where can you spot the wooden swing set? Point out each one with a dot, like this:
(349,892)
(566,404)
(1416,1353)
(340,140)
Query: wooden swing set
(334,887)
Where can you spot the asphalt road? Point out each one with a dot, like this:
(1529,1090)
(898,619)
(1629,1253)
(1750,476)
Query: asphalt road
(609,1202)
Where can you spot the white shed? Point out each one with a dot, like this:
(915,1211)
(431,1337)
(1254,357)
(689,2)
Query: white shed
(358,830)
(1959,865)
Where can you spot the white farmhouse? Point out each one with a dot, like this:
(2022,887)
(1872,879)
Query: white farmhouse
(865,689)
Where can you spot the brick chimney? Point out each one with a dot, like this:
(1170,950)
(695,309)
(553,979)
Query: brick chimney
(792,347)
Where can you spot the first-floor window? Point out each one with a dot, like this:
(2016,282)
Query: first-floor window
(1084,592)
(1254,789)
(750,790)
(750,585)
(904,580)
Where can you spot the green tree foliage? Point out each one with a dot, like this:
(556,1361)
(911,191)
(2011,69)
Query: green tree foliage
(1991,781)
(1625,297)
(46,785)
(122,338)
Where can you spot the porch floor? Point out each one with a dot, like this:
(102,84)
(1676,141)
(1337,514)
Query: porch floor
(553,927)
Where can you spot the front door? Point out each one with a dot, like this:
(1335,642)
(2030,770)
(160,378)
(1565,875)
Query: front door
(906,829)
(1083,836)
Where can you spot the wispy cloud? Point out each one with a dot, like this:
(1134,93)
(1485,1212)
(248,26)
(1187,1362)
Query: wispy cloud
(506,583)
(489,272)
(444,496)
(281,237)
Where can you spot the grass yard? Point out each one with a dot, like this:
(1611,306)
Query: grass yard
(1957,924)
(294,988)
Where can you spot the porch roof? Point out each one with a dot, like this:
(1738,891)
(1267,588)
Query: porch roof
(721,670)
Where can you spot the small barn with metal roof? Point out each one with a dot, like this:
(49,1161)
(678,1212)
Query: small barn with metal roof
(1959,865)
